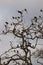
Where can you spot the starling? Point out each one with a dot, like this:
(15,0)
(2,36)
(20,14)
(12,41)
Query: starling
(35,18)
(25,10)
(39,16)
(20,12)
(11,24)
(3,31)
(5,25)
(17,51)
(13,17)
(41,10)
(32,23)
(6,22)
(18,17)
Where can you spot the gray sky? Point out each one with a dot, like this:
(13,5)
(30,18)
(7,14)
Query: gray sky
(9,8)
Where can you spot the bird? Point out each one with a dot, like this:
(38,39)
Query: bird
(41,10)
(5,26)
(6,22)
(32,23)
(17,51)
(25,10)
(20,12)
(39,16)
(13,17)
(35,18)
(18,17)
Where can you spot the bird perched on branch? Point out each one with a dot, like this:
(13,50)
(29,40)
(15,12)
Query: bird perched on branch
(35,18)
(14,17)
(25,10)
(20,12)
(41,10)
(6,22)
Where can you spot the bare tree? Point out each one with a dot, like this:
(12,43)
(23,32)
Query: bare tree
(32,32)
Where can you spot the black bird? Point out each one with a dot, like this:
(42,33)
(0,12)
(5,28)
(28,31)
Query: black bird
(13,17)
(41,10)
(35,18)
(25,10)
(18,17)
(32,23)
(39,16)
(6,22)
(20,12)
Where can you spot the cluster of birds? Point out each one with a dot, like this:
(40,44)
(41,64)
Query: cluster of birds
(21,12)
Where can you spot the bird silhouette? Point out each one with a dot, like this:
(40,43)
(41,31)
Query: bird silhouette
(20,12)
(6,22)
(41,10)
(39,16)
(25,10)
(13,17)
(18,17)
(35,18)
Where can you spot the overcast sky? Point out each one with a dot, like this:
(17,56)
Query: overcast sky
(9,8)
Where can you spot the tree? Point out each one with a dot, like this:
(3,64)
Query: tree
(25,34)
(39,55)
